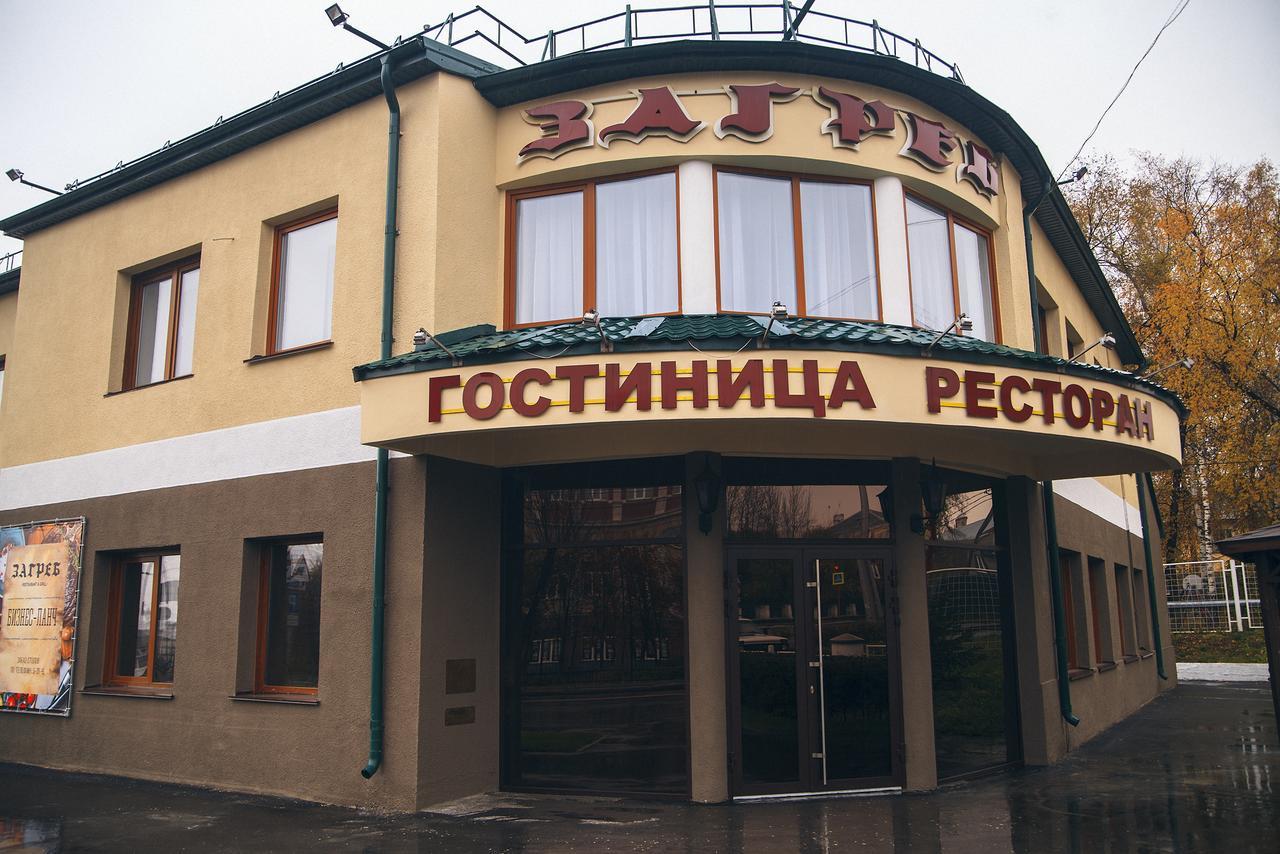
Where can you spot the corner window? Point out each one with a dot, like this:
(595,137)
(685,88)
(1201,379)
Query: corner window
(302,282)
(143,612)
(951,272)
(289,617)
(162,324)
(809,243)
(608,245)
(1,378)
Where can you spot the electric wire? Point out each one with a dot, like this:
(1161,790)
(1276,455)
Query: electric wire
(1179,8)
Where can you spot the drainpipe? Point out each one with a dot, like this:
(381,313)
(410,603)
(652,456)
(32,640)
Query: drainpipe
(380,485)
(1143,486)
(1050,519)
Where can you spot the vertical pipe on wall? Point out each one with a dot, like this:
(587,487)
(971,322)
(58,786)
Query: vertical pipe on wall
(1145,484)
(380,482)
(1059,612)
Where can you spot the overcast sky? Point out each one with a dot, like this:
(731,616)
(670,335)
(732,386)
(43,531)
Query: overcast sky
(88,84)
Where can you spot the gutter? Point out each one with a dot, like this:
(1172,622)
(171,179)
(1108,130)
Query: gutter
(1144,486)
(1050,517)
(381,488)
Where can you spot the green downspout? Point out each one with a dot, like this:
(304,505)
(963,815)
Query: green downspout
(1050,518)
(1144,485)
(380,485)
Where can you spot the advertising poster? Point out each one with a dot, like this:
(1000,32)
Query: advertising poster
(39,603)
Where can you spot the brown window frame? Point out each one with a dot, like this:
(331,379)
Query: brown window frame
(265,549)
(954,219)
(115,604)
(797,236)
(1098,607)
(174,272)
(1125,615)
(273,302)
(588,189)
(1065,565)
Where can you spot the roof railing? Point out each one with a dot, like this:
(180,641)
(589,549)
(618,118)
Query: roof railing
(714,21)
(12,261)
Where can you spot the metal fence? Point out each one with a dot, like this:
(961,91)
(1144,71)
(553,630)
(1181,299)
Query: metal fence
(10,261)
(1212,596)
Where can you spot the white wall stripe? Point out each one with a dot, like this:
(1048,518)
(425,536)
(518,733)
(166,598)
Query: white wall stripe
(1101,502)
(300,442)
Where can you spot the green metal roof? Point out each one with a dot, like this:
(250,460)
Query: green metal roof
(724,334)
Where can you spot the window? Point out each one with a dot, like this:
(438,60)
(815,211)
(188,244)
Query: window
(1143,617)
(1100,614)
(302,282)
(289,617)
(1066,563)
(809,243)
(1,378)
(162,324)
(143,630)
(609,245)
(1124,605)
(951,270)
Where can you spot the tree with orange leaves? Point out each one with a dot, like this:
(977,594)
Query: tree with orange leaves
(1193,253)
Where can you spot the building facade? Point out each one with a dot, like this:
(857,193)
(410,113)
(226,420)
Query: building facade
(696,482)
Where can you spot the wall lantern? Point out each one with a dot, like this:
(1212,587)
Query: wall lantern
(933,490)
(706,487)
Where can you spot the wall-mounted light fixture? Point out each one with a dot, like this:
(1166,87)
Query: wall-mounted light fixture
(777,313)
(17,175)
(1185,362)
(591,319)
(423,340)
(963,323)
(706,488)
(338,18)
(1108,341)
(933,493)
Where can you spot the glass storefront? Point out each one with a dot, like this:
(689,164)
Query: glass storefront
(596,622)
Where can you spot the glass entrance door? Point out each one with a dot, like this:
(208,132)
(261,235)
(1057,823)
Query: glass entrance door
(811,665)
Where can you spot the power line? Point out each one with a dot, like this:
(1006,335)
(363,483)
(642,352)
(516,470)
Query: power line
(1179,8)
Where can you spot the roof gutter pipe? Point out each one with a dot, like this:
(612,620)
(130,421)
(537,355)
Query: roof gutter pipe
(1145,486)
(1050,518)
(376,726)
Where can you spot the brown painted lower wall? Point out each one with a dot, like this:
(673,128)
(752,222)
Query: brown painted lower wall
(201,736)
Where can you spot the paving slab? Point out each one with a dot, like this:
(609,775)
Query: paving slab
(1197,672)
(1196,770)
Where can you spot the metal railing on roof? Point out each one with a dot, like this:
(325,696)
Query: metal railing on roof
(12,261)
(714,21)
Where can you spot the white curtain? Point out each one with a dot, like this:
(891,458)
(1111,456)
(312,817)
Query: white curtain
(973,266)
(153,332)
(839,250)
(549,258)
(305,302)
(757,244)
(636,264)
(929,254)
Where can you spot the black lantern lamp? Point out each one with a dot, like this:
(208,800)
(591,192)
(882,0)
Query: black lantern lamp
(933,491)
(706,487)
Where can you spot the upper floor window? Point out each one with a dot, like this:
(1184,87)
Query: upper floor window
(302,282)
(809,243)
(611,245)
(950,263)
(162,324)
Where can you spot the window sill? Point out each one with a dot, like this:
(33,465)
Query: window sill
(1079,673)
(284,699)
(1146,653)
(118,691)
(1104,666)
(1130,659)
(148,385)
(292,351)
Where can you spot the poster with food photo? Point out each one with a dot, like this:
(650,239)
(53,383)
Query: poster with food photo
(40,566)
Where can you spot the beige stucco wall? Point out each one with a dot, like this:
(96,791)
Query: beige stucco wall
(8,315)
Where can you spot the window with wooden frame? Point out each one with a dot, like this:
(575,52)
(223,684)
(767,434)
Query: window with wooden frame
(611,244)
(142,634)
(1143,620)
(1066,563)
(808,242)
(1124,609)
(288,659)
(162,324)
(1099,613)
(952,270)
(301,304)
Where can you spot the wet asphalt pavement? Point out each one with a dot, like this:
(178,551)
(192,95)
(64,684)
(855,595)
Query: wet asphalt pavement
(1198,770)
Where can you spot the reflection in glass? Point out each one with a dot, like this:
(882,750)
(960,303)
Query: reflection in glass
(970,706)
(767,671)
(293,615)
(805,512)
(135,618)
(601,696)
(167,618)
(855,668)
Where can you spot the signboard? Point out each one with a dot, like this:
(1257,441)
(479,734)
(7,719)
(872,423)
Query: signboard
(40,566)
